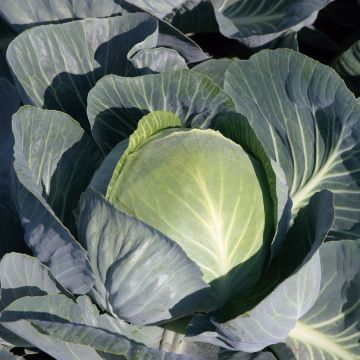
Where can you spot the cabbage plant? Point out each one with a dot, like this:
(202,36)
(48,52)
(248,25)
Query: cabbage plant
(170,213)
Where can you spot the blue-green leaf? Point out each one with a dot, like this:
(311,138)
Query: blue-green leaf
(54,160)
(116,104)
(186,15)
(215,69)
(140,275)
(288,289)
(22,275)
(308,121)
(20,14)
(57,65)
(257,22)
(330,329)
(63,329)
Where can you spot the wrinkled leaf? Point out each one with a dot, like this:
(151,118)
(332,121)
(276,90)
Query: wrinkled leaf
(307,121)
(116,104)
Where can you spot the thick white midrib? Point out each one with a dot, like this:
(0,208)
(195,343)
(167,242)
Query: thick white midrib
(307,335)
(215,224)
(310,186)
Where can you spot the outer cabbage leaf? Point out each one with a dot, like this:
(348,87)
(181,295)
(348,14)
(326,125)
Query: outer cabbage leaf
(149,335)
(57,65)
(22,275)
(330,329)
(288,289)
(157,60)
(187,15)
(169,36)
(316,219)
(256,22)
(63,329)
(252,22)
(272,319)
(20,14)
(54,160)
(348,66)
(215,69)
(116,104)
(307,120)
(140,275)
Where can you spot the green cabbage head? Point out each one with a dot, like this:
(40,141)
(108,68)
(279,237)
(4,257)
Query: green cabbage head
(204,192)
